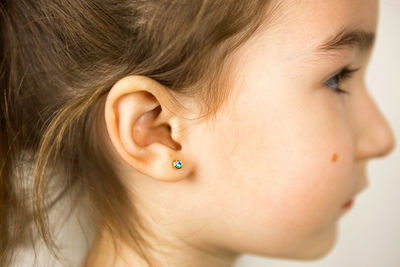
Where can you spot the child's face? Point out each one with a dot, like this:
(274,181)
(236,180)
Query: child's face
(286,152)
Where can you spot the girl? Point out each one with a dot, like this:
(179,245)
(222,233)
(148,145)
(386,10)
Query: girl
(198,130)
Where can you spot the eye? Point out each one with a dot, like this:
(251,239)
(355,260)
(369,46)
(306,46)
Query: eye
(335,81)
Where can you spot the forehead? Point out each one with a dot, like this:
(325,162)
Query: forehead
(322,15)
(302,25)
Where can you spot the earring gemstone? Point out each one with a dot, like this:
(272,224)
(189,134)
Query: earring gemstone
(177,164)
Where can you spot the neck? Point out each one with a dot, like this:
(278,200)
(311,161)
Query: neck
(103,254)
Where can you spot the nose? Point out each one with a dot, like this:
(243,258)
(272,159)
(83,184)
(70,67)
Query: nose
(375,137)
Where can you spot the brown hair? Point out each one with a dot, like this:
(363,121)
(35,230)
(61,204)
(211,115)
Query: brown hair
(60,58)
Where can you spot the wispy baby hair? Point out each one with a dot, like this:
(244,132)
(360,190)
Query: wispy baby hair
(59,59)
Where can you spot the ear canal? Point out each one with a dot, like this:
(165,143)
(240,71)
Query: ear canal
(145,134)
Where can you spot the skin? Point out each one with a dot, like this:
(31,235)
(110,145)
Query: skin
(270,174)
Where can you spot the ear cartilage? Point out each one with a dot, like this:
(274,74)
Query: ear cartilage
(177,164)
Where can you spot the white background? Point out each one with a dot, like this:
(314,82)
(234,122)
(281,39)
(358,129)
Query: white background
(369,234)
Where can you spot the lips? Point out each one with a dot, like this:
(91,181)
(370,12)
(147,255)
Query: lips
(348,204)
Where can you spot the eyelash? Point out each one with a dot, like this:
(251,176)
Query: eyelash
(342,76)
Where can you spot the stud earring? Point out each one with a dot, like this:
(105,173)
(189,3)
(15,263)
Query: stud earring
(177,164)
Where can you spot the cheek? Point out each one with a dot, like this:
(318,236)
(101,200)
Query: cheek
(278,183)
(308,197)
(310,179)
(293,177)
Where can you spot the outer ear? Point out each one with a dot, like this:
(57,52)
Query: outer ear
(143,130)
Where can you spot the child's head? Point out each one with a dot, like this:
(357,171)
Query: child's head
(108,94)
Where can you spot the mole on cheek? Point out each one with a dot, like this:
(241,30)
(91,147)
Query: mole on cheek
(334,157)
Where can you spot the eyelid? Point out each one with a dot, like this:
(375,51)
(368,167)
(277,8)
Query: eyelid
(336,73)
(344,72)
(342,75)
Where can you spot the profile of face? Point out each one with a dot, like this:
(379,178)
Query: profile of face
(270,174)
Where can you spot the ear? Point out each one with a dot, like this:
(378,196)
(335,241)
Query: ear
(143,129)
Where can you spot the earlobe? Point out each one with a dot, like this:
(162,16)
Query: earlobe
(140,126)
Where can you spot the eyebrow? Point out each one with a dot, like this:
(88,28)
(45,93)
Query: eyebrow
(347,38)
